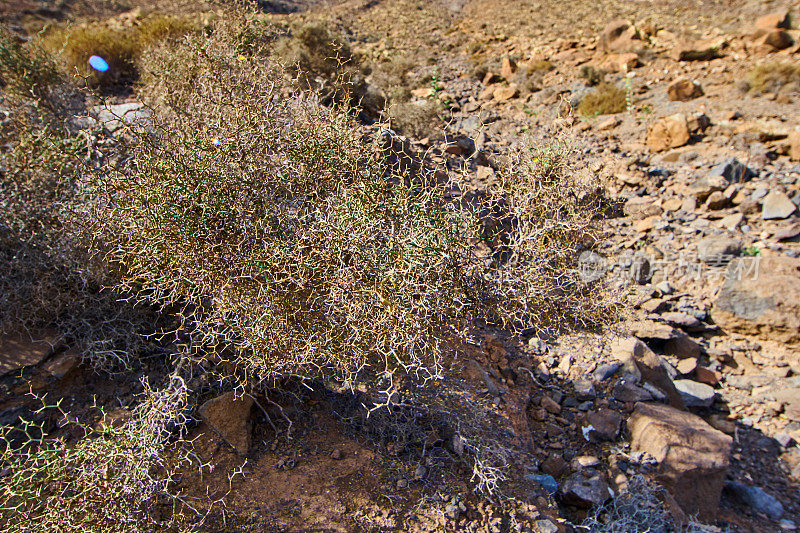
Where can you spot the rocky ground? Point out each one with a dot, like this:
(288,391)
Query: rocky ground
(696,387)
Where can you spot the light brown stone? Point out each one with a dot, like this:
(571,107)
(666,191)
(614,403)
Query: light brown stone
(229,417)
(794,145)
(618,36)
(779,19)
(761,297)
(693,456)
(669,132)
(505,92)
(508,68)
(682,90)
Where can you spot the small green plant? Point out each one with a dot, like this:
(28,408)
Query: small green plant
(752,251)
(629,94)
(606,99)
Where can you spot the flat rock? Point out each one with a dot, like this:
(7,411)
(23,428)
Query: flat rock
(117,116)
(229,416)
(761,297)
(695,394)
(718,250)
(693,457)
(20,350)
(757,498)
(777,205)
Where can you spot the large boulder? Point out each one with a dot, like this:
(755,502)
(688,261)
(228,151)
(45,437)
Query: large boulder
(229,416)
(761,296)
(693,457)
(619,36)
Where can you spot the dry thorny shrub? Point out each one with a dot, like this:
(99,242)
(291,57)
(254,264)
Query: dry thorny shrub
(115,478)
(294,248)
(48,278)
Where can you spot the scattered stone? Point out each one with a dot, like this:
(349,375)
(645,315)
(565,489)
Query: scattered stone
(693,456)
(687,366)
(707,376)
(547,482)
(761,296)
(550,405)
(695,394)
(682,90)
(771,39)
(606,371)
(505,92)
(229,416)
(20,350)
(669,132)
(601,425)
(544,525)
(717,200)
(585,461)
(733,170)
(337,454)
(584,389)
(402,483)
(640,207)
(629,393)
(682,346)
(684,321)
(640,362)
(586,492)
(554,465)
(777,205)
(718,251)
(608,124)
(756,498)
(508,68)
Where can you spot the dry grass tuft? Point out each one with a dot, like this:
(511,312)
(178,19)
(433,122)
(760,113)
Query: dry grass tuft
(774,78)
(120,47)
(606,99)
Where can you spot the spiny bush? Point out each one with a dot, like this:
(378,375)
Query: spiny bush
(606,99)
(120,47)
(114,478)
(773,77)
(48,278)
(296,249)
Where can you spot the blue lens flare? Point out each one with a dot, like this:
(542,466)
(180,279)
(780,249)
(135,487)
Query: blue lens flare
(98,63)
